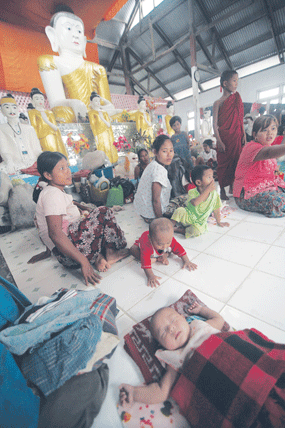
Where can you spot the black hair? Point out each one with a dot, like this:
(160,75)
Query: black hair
(35,91)
(159,141)
(280,130)
(209,142)
(198,172)
(94,95)
(170,103)
(8,96)
(227,75)
(23,116)
(175,119)
(46,163)
(30,106)
(140,151)
(262,122)
(141,98)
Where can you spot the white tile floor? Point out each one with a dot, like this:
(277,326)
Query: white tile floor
(241,274)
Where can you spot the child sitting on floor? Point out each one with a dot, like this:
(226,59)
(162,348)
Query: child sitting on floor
(202,201)
(180,339)
(155,245)
(208,156)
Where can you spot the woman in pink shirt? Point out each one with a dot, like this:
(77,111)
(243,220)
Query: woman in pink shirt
(257,187)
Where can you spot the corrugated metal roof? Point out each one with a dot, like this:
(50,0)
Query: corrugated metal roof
(229,34)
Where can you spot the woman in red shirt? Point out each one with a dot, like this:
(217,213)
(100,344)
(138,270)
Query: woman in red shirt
(257,188)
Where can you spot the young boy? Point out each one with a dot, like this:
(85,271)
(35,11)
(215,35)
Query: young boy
(180,140)
(178,337)
(208,156)
(202,201)
(155,245)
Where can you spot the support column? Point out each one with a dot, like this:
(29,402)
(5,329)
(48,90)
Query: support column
(126,72)
(194,72)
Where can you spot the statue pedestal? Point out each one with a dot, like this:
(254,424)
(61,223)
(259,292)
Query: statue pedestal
(77,137)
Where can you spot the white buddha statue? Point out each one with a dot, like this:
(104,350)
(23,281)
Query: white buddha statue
(100,124)
(45,125)
(67,78)
(170,113)
(19,144)
(206,126)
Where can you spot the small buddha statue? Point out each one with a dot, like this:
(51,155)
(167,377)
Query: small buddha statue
(142,118)
(45,125)
(170,113)
(19,144)
(68,79)
(100,124)
(206,126)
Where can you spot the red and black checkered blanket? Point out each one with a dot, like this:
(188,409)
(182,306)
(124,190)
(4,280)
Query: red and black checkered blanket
(229,379)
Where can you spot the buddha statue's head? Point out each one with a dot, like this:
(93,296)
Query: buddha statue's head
(66,34)
(38,99)
(142,102)
(95,101)
(170,108)
(9,107)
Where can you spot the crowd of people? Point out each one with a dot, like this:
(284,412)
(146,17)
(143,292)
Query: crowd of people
(92,240)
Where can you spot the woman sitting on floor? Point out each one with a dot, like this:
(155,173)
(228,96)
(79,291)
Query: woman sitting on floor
(257,188)
(77,239)
(143,163)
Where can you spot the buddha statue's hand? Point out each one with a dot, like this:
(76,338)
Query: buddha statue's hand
(78,107)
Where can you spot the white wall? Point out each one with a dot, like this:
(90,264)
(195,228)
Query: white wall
(248,87)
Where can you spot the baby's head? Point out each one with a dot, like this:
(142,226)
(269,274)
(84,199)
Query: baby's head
(170,328)
(161,233)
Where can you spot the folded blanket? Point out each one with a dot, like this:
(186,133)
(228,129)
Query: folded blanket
(141,345)
(228,380)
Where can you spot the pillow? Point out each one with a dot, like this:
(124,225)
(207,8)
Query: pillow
(141,345)
(22,208)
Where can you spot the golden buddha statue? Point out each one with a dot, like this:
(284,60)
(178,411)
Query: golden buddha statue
(142,118)
(44,124)
(100,123)
(67,78)
(170,113)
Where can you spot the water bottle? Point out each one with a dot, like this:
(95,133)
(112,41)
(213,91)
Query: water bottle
(85,190)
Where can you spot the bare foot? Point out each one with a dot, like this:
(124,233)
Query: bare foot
(113,256)
(179,229)
(223,195)
(101,264)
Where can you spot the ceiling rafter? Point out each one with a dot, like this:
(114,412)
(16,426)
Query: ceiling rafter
(137,58)
(276,38)
(214,30)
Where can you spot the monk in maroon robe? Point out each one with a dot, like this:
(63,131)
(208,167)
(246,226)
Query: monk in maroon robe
(229,130)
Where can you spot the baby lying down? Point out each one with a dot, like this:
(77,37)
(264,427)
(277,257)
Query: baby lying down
(180,339)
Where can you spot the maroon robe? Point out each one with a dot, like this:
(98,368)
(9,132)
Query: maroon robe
(230,123)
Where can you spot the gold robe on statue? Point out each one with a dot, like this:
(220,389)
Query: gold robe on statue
(169,130)
(103,134)
(142,125)
(50,139)
(78,85)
